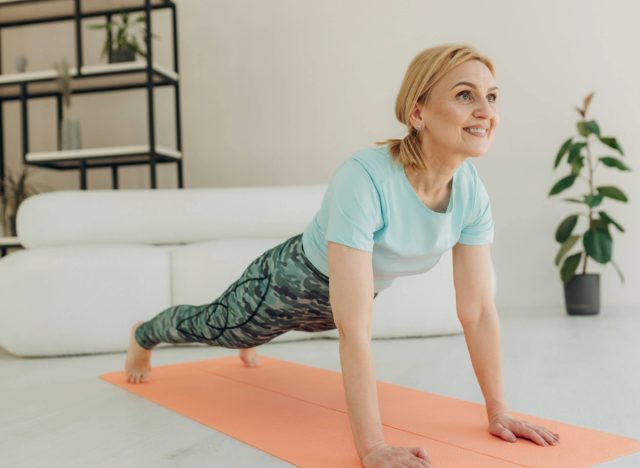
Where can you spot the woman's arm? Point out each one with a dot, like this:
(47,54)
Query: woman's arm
(351,297)
(361,393)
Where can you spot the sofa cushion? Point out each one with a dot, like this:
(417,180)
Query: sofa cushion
(165,216)
(82,299)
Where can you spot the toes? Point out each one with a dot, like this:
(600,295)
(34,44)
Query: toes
(133,378)
(253,361)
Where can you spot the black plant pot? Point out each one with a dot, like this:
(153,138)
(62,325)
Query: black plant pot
(122,55)
(582,294)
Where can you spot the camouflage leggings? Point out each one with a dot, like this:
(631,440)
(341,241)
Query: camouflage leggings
(279,291)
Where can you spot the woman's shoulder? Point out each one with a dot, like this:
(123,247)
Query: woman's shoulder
(375,160)
(372,153)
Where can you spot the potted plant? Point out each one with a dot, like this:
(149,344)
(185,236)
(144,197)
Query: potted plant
(124,46)
(582,290)
(69,136)
(14,191)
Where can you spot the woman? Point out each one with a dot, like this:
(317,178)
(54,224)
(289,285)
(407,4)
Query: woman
(387,212)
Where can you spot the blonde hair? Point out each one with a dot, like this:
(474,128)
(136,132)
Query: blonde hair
(424,71)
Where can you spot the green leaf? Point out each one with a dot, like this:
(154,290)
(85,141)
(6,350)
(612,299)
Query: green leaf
(593,200)
(612,192)
(598,245)
(612,142)
(574,200)
(562,184)
(588,127)
(577,165)
(566,227)
(565,247)
(618,270)
(582,130)
(613,162)
(593,127)
(563,149)
(608,219)
(600,225)
(105,49)
(575,151)
(569,266)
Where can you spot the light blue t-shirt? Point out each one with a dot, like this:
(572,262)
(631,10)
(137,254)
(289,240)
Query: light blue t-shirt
(370,205)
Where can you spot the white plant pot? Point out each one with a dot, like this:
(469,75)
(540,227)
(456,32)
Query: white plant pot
(70,134)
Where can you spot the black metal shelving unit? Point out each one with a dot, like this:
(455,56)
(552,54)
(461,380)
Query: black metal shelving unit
(101,78)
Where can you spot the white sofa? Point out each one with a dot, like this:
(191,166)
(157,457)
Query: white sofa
(96,261)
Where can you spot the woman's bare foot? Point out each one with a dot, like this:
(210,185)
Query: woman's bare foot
(250,357)
(138,363)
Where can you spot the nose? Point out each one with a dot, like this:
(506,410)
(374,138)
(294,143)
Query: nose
(485,110)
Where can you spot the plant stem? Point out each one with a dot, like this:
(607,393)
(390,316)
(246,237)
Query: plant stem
(584,265)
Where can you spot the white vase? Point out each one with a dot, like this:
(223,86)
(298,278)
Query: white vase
(70,135)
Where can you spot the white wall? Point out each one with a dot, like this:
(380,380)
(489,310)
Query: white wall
(281,92)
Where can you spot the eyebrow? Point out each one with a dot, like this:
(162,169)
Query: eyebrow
(471,84)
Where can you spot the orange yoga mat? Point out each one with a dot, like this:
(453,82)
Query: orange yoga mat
(298,413)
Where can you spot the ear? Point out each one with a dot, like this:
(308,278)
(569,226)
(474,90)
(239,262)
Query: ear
(415,118)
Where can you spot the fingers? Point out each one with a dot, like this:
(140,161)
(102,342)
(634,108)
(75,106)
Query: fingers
(540,438)
(421,452)
(531,434)
(549,436)
(506,434)
(421,458)
(554,434)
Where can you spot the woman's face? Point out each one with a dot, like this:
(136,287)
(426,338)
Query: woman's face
(453,107)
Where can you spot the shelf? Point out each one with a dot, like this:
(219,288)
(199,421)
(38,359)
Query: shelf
(103,156)
(88,153)
(98,78)
(10,242)
(92,77)
(17,11)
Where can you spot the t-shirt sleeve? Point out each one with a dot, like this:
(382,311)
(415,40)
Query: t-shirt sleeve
(353,207)
(479,229)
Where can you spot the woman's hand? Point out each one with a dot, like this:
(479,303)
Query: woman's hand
(384,456)
(504,426)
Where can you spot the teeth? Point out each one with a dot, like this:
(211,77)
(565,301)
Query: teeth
(477,131)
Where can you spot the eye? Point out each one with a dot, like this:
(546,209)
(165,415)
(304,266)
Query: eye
(467,92)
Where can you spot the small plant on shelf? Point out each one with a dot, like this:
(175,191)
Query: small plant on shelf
(69,128)
(124,44)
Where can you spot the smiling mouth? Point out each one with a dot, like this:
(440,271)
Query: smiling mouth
(476,133)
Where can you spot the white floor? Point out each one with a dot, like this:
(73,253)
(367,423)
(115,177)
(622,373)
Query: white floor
(579,370)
